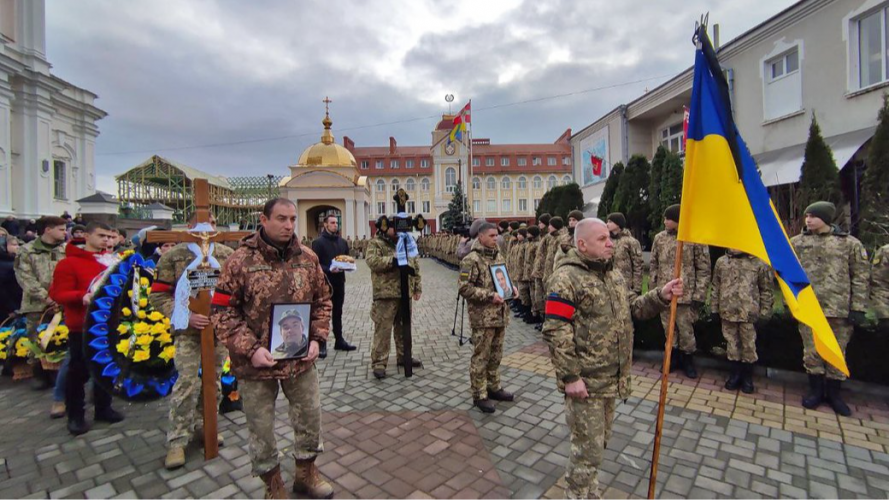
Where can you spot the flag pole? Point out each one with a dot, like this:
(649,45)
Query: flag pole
(470,169)
(665,375)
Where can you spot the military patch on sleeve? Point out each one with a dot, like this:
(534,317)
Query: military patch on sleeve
(256,269)
(559,308)
(863,252)
(221,298)
(465,271)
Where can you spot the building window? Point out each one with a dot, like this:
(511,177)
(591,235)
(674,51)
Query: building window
(783,65)
(59,180)
(379,164)
(671,138)
(505,183)
(523,205)
(538,182)
(476,162)
(426,205)
(394,208)
(566,160)
(521,161)
(536,203)
(365,164)
(476,183)
(395,185)
(489,161)
(411,207)
(492,184)
(523,183)
(551,182)
(409,164)
(476,206)
(492,206)
(782,94)
(535,161)
(566,180)
(871,48)
(381,207)
(450,179)
(410,185)
(424,163)
(393,164)
(551,161)
(504,161)
(381,186)
(507,206)
(424,184)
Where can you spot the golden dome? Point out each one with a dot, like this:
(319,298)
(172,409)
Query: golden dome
(327,153)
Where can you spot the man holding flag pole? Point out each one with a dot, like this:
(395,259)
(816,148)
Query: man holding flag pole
(725,203)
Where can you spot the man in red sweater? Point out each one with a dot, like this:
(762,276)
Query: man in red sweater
(70,288)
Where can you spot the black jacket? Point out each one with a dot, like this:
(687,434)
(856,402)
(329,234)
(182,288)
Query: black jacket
(327,246)
(10,291)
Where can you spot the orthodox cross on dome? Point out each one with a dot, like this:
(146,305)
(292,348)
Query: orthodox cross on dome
(327,136)
(327,102)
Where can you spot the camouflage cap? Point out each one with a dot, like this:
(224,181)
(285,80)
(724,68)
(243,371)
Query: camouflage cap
(557,222)
(544,218)
(534,231)
(575,214)
(672,213)
(514,225)
(523,232)
(824,210)
(292,313)
(619,219)
(503,224)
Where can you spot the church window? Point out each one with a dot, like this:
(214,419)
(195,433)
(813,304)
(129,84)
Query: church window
(538,182)
(410,185)
(476,183)
(381,186)
(505,183)
(523,183)
(424,184)
(492,183)
(551,182)
(59,180)
(450,179)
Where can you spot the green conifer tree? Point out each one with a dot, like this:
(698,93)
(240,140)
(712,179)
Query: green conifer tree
(819,177)
(631,197)
(607,199)
(874,216)
(454,215)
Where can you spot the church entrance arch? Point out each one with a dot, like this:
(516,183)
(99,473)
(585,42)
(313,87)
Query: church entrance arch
(315,219)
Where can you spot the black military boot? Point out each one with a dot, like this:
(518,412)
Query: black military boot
(688,364)
(77,425)
(816,392)
(501,395)
(416,363)
(485,405)
(747,378)
(675,360)
(734,379)
(833,398)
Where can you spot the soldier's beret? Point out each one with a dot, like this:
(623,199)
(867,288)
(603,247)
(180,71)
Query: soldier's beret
(575,214)
(544,218)
(293,313)
(534,231)
(557,222)
(672,213)
(619,219)
(824,210)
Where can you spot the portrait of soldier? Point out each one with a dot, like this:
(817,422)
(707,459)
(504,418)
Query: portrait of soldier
(293,332)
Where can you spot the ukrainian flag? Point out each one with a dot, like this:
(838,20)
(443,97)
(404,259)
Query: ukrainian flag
(457,133)
(725,203)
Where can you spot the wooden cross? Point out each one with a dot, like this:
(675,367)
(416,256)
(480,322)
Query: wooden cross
(201,305)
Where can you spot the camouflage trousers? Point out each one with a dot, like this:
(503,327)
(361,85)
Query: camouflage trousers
(590,423)
(813,362)
(304,410)
(525,293)
(484,367)
(684,333)
(387,323)
(740,340)
(538,297)
(186,400)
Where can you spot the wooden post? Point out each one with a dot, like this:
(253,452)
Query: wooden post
(201,305)
(665,375)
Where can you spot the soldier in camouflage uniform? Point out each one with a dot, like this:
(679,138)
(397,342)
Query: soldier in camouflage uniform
(539,292)
(523,299)
(526,274)
(503,231)
(627,252)
(567,240)
(741,296)
(879,286)
(837,266)
(34,266)
(386,283)
(488,318)
(559,236)
(589,328)
(185,400)
(696,278)
(270,267)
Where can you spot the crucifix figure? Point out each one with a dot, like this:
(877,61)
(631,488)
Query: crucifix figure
(202,281)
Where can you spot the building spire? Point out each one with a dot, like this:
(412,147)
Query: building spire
(327,136)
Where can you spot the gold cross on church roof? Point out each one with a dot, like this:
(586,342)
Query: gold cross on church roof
(327,102)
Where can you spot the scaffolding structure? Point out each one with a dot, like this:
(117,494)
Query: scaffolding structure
(235,200)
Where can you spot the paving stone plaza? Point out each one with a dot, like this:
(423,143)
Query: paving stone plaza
(419,437)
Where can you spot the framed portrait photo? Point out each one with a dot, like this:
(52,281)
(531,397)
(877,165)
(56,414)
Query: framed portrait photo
(289,331)
(502,281)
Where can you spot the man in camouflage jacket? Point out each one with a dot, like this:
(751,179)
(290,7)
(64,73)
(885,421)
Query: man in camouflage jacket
(558,233)
(879,286)
(272,267)
(516,266)
(567,240)
(539,293)
(488,317)
(836,264)
(589,329)
(741,296)
(695,277)
(185,399)
(627,252)
(385,311)
(531,247)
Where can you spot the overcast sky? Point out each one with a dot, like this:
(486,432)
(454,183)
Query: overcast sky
(175,74)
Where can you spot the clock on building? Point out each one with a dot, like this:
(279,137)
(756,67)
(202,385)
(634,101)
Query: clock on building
(450,148)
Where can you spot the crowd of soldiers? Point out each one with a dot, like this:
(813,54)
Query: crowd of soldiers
(441,246)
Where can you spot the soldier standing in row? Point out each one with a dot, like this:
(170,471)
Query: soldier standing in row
(533,316)
(558,233)
(836,264)
(271,266)
(696,279)
(627,252)
(741,297)
(539,293)
(386,309)
(589,327)
(567,240)
(488,317)
(879,286)
(185,400)
(514,265)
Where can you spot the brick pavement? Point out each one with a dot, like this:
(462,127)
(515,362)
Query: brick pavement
(420,438)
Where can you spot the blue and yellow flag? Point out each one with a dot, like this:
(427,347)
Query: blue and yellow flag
(725,203)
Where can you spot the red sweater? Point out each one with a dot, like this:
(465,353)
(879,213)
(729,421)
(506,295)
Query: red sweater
(71,281)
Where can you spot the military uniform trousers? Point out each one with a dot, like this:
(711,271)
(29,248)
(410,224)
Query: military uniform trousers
(813,362)
(740,339)
(304,410)
(525,293)
(484,367)
(538,296)
(388,322)
(590,422)
(684,333)
(186,401)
